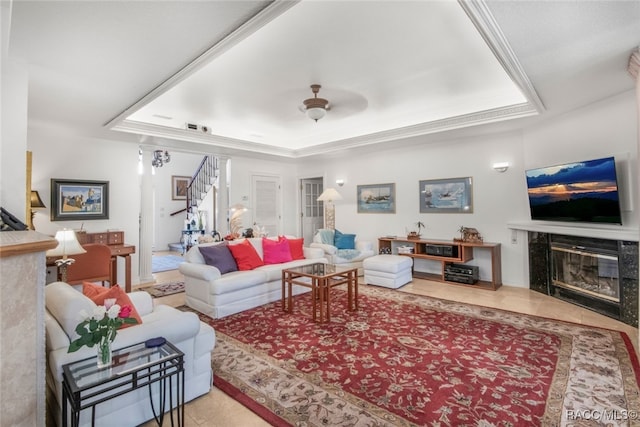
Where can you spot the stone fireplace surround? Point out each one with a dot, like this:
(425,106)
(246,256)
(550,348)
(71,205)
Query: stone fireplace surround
(540,273)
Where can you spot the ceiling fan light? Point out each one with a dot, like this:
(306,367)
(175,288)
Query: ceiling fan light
(315,107)
(316,113)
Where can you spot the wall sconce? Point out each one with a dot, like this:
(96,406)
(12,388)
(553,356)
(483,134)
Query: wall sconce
(160,158)
(340,182)
(501,166)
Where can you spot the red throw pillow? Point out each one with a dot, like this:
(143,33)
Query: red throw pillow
(295,247)
(122,299)
(92,290)
(276,251)
(245,255)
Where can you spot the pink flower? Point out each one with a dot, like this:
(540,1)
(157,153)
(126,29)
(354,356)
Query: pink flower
(125,311)
(109,302)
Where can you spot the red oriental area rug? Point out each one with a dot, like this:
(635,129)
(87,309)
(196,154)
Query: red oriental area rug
(408,360)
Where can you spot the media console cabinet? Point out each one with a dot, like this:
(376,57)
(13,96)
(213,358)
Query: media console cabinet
(446,252)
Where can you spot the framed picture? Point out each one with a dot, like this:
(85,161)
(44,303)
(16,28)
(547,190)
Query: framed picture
(179,185)
(452,195)
(79,200)
(376,198)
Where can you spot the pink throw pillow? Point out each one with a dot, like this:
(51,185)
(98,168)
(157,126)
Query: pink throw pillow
(295,246)
(245,255)
(276,251)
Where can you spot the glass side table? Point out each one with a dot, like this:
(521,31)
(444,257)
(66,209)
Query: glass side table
(85,386)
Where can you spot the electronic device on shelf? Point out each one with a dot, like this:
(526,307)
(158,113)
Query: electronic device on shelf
(461,273)
(441,250)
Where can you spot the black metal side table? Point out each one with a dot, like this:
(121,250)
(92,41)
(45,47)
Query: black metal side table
(137,366)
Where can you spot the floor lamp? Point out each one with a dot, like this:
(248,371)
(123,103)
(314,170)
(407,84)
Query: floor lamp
(67,245)
(328,196)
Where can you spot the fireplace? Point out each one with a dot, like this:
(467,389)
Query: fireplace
(598,274)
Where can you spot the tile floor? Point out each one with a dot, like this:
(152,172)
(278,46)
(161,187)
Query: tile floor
(216,409)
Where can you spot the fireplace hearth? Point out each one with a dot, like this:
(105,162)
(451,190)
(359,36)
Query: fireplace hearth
(598,274)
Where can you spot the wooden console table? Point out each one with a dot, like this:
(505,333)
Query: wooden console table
(461,252)
(115,241)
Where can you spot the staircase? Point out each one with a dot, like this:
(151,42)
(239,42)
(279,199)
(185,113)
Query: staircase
(202,181)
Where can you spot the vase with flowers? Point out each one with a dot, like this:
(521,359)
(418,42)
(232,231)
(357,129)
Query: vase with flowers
(100,329)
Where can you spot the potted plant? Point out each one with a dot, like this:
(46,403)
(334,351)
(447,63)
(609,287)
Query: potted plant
(416,234)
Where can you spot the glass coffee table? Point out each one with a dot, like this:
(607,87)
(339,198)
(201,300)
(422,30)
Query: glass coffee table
(84,385)
(320,278)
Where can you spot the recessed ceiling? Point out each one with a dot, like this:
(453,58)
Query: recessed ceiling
(388,69)
(134,70)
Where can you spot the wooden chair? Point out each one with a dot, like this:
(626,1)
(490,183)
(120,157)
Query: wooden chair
(92,266)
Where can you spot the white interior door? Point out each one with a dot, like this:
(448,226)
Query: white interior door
(266,203)
(311,215)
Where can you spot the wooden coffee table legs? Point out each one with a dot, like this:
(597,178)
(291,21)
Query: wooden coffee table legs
(351,279)
(320,291)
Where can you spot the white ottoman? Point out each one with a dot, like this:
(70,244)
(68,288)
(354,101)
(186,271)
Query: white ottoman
(391,271)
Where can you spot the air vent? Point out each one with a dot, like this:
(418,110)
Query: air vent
(197,127)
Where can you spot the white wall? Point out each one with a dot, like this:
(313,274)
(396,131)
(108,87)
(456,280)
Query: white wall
(13,122)
(606,128)
(61,154)
(492,192)
(603,129)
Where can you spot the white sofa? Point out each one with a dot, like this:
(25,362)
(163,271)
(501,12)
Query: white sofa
(183,329)
(219,295)
(353,258)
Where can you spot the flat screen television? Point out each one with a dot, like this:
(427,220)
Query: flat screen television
(575,192)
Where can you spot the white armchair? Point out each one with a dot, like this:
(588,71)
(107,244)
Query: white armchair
(343,249)
(183,329)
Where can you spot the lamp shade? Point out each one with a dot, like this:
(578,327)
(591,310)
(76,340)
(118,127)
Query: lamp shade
(316,113)
(238,207)
(67,244)
(329,195)
(36,201)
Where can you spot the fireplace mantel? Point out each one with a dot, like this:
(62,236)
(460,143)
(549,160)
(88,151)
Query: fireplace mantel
(22,331)
(611,232)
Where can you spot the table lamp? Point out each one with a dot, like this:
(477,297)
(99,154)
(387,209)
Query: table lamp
(328,196)
(67,245)
(35,203)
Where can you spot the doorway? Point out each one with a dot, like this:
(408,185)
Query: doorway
(267,202)
(311,212)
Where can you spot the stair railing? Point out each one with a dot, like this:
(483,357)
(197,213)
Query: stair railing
(201,181)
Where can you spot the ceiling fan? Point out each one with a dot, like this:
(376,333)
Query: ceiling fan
(315,107)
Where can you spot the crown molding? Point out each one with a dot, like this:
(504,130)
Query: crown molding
(483,20)
(238,146)
(262,18)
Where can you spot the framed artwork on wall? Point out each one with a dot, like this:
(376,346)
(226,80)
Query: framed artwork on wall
(450,195)
(79,200)
(179,185)
(376,198)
